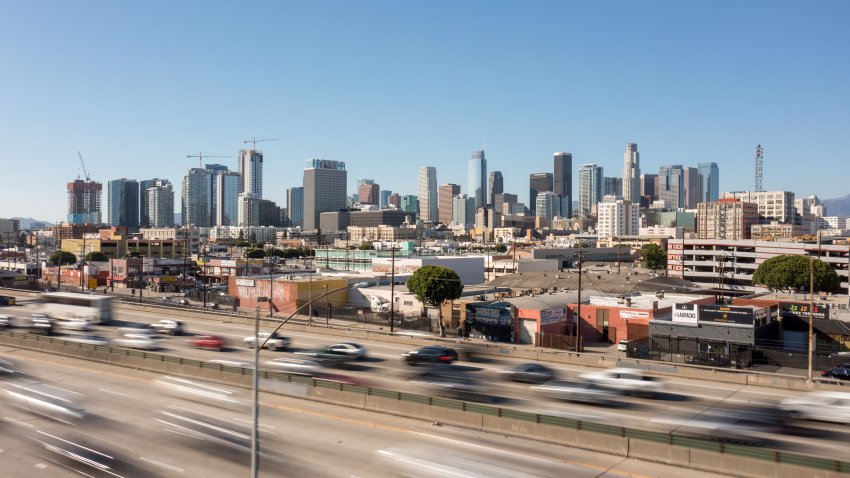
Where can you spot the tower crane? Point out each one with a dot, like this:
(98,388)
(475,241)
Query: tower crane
(201,157)
(85,172)
(254,141)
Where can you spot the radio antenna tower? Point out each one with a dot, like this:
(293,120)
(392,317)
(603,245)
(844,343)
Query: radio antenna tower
(759,169)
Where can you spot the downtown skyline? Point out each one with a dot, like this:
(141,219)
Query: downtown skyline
(136,91)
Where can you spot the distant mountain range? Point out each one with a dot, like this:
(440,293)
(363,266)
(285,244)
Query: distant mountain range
(838,207)
(27,223)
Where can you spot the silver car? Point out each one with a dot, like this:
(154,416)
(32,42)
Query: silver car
(138,341)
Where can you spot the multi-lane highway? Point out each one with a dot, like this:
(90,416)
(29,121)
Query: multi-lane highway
(684,402)
(127,416)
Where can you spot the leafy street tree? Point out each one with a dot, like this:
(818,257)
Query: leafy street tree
(255,254)
(97,256)
(433,285)
(791,273)
(653,257)
(67,257)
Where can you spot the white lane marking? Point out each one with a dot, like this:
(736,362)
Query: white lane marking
(18,422)
(162,465)
(120,394)
(40,466)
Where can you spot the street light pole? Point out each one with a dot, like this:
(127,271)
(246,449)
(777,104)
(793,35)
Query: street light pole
(811,314)
(392,290)
(255,395)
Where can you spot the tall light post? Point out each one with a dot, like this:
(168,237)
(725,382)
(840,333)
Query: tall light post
(811,315)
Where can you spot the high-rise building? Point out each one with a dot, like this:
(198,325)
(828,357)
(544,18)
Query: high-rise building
(773,205)
(429,211)
(226,186)
(612,187)
(123,203)
(726,219)
(295,206)
(325,190)
(693,187)
(144,212)
(410,203)
(255,211)
(631,174)
(160,204)
(589,188)
(394,201)
(495,185)
(549,206)
(671,186)
(538,183)
(250,166)
(369,194)
(504,198)
(463,210)
(649,186)
(710,181)
(617,217)
(477,178)
(446,194)
(84,202)
(385,198)
(196,204)
(562,181)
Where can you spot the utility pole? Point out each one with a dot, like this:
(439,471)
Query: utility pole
(392,289)
(578,321)
(271,289)
(618,254)
(255,398)
(811,315)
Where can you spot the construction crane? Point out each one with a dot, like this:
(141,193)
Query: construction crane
(85,172)
(254,141)
(201,157)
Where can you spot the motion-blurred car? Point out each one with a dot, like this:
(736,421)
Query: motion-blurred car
(87,339)
(7,367)
(272,341)
(327,356)
(296,366)
(42,399)
(84,456)
(4,322)
(207,342)
(839,373)
(751,425)
(80,325)
(574,391)
(195,391)
(528,373)
(351,349)
(820,406)
(138,341)
(41,324)
(207,429)
(452,384)
(168,327)
(430,355)
(625,380)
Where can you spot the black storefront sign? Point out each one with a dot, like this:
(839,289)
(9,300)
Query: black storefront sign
(726,315)
(801,311)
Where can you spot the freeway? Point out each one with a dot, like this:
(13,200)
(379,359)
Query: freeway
(128,416)
(683,401)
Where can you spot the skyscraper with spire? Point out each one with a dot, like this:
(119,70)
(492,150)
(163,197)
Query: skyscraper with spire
(477,179)
(631,174)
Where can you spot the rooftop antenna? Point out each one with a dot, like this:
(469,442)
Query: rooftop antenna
(759,169)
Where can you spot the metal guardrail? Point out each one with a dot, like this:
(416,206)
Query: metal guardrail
(748,451)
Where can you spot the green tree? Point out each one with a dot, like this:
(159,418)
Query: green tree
(97,256)
(242,243)
(501,248)
(366,246)
(275,252)
(433,285)
(653,257)
(67,257)
(255,254)
(791,273)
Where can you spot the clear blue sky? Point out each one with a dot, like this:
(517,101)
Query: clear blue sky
(388,87)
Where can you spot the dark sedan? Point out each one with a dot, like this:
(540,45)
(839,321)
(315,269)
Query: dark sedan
(840,373)
(528,373)
(430,355)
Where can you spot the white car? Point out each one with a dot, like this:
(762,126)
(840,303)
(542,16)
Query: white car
(272,341)
(168,326)
(138,341)
(351,349)
(624,380)
(87,339)
(297,366)
(81,325)
(821,406)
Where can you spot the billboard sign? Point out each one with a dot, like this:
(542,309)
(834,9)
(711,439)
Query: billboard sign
(633,314)
(725,314)
(686,313)
(245,282)
(602,300)
(551,316)
(796,309)
(491,315)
